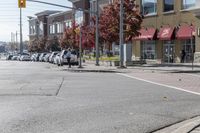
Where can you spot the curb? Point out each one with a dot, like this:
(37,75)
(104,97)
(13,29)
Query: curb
(183,127)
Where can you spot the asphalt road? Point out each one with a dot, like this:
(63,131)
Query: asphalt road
(41,98)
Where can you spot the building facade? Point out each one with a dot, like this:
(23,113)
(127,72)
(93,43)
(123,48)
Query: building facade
(170,31)
(57,23)
(49,24)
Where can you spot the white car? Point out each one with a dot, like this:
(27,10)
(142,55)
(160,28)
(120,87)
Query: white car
(63,59)
(56,59)
(25,58)
(52,56)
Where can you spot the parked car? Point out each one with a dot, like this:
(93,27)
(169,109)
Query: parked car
(52,56)
(36,57)
(14,57)
(46,57)
(57,58)
(25,58)
(41,58)
(63,59)
(9,57)
(32,57)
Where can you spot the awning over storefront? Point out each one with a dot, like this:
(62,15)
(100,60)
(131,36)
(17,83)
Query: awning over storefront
(146,34)
(185,32)
(166,33)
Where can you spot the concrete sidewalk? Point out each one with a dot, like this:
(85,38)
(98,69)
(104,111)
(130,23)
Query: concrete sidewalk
(179,68)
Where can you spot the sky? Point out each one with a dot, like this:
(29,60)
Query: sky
(9,16)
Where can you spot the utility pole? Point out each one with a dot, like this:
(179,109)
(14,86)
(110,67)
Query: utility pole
(97,33)
(121,36)
(21,43)
(80,48)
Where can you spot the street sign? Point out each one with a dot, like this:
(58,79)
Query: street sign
(22,3)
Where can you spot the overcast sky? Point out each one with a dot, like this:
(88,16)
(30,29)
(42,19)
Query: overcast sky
(9,16)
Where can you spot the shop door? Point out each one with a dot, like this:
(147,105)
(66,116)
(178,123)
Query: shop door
(188,53)
(168,53)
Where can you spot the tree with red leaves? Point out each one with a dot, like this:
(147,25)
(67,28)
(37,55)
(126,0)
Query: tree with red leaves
(88,36)
(70,37)
(109,21)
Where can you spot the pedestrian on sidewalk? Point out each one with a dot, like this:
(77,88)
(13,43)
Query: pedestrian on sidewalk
(183,56)
(69,57)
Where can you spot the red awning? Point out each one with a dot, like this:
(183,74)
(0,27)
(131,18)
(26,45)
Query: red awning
(166,33)
(185,32)
(146,34)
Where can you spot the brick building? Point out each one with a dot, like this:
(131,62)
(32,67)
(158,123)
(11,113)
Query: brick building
(57,22)
(170,28)
(38,26)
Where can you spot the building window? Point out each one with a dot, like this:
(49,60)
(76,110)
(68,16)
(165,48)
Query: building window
(148,50)
(52,29)
(188,46)
(79,17)
(41,28)
(149,7)
(59,27)
(68,24)
(188,4)
(32,30)
(168,5)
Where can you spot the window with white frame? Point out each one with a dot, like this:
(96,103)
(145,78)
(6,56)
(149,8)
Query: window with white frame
(52,29)
(79,17)
(149,7)
(59,27)
(32,30)
(188,3)
(41,28)
(68,23)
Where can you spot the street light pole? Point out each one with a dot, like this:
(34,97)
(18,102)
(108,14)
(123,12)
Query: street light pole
(21,44)
(97,33)
(121,36)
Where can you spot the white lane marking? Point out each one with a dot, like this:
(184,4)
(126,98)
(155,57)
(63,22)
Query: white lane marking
(164,85)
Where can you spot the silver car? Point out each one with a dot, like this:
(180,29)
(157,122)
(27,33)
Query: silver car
(25,58)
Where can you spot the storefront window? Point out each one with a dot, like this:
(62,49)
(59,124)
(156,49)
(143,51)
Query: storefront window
(149,7)
(188,3)
(168,5)
(148,50)
(188,47)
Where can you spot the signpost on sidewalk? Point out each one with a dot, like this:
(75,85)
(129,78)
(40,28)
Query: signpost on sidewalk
(21,4)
